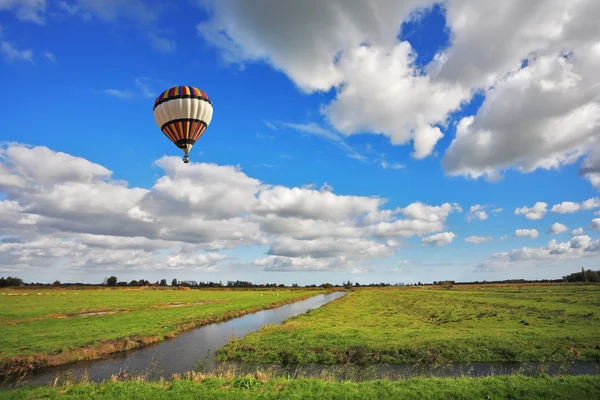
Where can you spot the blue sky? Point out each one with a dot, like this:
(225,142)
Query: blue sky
(80,77)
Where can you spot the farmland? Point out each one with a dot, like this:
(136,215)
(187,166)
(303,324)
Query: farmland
(52,327)
(425,325)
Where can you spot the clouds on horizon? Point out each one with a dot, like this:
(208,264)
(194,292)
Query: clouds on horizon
(64,211)
(61,208)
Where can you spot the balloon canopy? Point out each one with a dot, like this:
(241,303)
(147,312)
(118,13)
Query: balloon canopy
(183,113)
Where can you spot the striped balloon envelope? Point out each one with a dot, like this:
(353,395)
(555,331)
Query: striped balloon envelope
(183,113)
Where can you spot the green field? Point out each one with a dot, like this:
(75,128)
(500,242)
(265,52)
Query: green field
(44,329)
(424,325)
(506,387)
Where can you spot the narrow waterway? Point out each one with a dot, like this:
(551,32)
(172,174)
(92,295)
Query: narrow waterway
(190,350)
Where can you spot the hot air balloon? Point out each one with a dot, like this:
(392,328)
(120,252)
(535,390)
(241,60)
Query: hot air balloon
(183,113)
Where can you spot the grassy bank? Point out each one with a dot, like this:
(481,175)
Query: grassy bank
(508,323)
(46,330)
(198,387)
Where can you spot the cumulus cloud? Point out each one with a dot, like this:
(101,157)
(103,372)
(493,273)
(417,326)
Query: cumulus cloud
(59,209)
(577,232)
(557,228)
(439,239)
(577,247)
(478,239)
(353,49)
(536,212)
(553,92)
(322,45)
(569,207)
(477,212)
(531,233)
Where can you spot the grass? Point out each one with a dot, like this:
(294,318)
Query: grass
(196,386)
(43,330)
(471,324)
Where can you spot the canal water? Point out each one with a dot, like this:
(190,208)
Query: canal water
(190,350)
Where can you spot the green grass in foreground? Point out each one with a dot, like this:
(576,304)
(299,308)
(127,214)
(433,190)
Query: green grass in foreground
(36,327)
(503,387)
(487,323)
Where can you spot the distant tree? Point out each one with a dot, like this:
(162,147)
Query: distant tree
(583,276)
(327,285)
(56,283)
(163,282)
(174,282)
(112,281)
(592,276)
(10,281)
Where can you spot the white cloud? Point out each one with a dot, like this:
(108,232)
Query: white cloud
(511,129)
(112,10)
(557,228)
(477,212)
(109,11)
(11,53)
(540,117)
(321,46)
(302,40)
(407,106)
(386,165)
(144,88)
(424,212)
(531,233)
(577,247)
(163,44)
(26,10)
(577,232)
(478,239)
(121,94)
(439,239)
(595,224)
(50,57)
(65,210)
(569,207)
(326,134)
(536,212)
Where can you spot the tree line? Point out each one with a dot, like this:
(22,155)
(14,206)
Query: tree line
(583,276)
(589,276)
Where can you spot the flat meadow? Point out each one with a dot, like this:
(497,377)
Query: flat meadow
(516,323)
(200,387)
(43,327)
